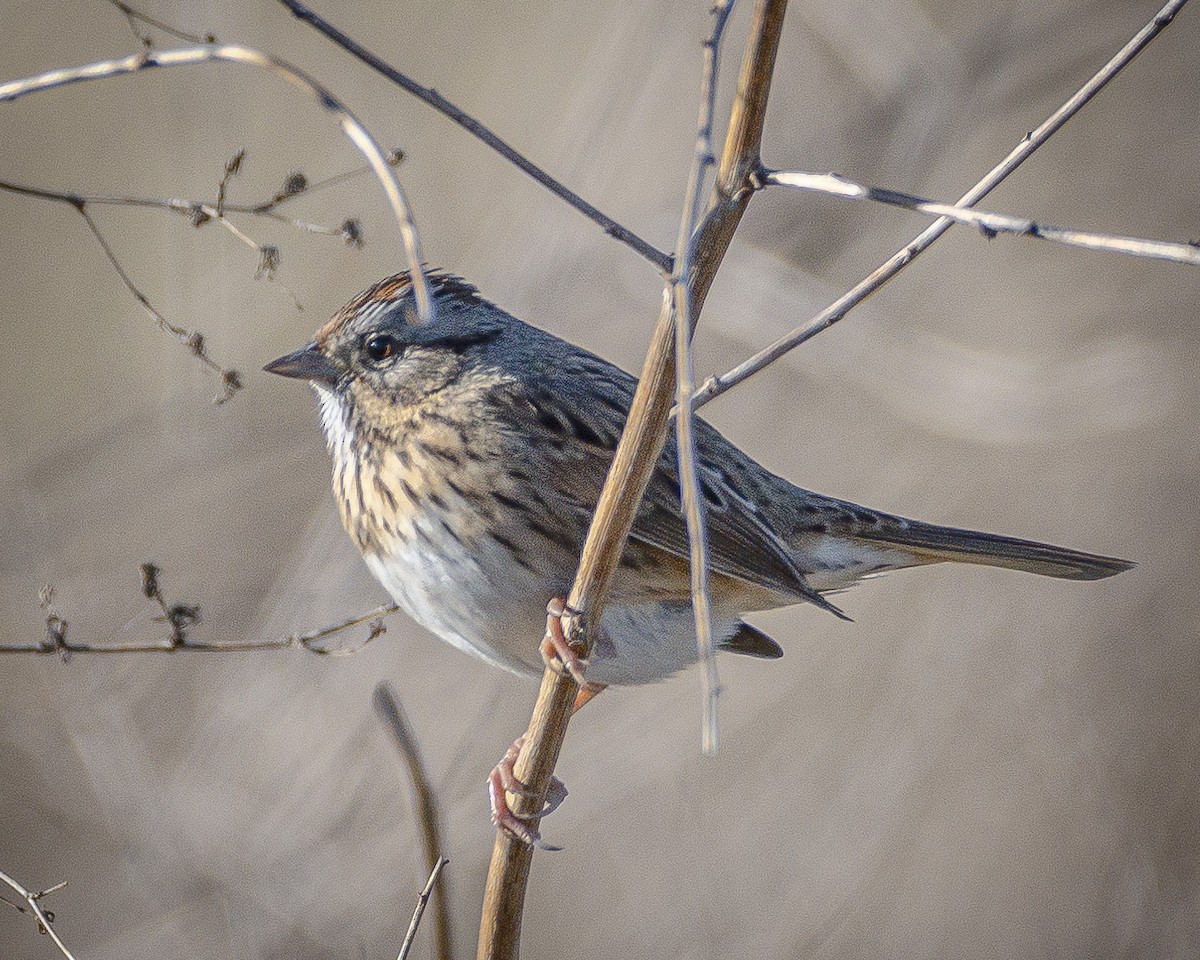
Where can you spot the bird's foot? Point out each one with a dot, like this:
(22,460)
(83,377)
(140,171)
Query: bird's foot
(559,655)
(562,659)
(503,780)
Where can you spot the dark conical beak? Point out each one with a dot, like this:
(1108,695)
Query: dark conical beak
(307,363)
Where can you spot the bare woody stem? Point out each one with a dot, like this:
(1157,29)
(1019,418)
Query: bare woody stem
(422,900)
(200,212)
(633,463)
(58,643)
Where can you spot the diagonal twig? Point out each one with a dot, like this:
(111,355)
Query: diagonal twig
(422,899)
(991,224)
(231,380)
(44,917)
(199,213)
(194,340)
(479,131)
(715,386)
(298,185)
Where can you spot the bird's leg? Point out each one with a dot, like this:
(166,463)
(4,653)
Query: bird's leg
(560,657)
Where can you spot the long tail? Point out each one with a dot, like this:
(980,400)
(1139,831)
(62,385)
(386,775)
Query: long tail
(929,543)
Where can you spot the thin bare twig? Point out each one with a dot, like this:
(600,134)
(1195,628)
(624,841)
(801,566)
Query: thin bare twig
(298,185)
(61,644)
(478,130)
(44,917)
(134,17)
(200,212)
(194,340)
(388,707)
(633,463)
(991,224)
(180,617)
(350,125)
(422,899)
(231,380)
(677,291)
(715,386)
(232,167)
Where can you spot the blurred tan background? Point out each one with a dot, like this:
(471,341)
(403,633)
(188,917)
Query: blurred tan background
(983,764)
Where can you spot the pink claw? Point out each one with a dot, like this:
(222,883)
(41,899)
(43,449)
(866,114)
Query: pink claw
(503,780)
(558,654)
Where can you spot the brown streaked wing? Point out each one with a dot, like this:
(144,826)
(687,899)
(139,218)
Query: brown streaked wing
(581,445)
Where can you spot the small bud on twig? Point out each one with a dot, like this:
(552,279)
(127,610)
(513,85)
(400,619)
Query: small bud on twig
(296,183)
(269,257)
(352,232)
(232,166)
(150,589)
(198,215)
(181,616)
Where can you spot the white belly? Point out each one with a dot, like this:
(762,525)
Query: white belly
(453,594)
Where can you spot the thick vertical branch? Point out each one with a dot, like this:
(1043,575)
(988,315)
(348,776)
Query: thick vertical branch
(633,463)
(740,158)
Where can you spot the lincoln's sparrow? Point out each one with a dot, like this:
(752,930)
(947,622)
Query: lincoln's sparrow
(468,455)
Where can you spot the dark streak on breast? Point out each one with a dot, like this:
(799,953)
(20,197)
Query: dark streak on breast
(384,491)
(451,532)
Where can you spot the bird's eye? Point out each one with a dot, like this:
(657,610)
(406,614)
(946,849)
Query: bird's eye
(380,347)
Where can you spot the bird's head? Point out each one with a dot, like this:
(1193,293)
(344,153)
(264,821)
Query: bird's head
(374,357)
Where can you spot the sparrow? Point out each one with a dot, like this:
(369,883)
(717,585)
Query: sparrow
(468,457)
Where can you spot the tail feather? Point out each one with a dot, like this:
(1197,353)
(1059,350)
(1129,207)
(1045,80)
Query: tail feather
(929,543)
